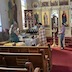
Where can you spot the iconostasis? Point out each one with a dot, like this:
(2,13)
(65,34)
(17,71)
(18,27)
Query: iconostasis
(42,10)
(47,6)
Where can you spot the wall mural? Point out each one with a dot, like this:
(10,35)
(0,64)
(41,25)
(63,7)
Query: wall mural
(44,4)
(64,16)
(12,11)
(35,4)
(54,2)
(63,2)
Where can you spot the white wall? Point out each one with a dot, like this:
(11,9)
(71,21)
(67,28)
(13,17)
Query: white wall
(4,14)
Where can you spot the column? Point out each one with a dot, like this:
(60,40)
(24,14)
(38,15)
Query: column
(59,29)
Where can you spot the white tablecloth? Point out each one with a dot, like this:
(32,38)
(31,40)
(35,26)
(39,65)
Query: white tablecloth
(30,41)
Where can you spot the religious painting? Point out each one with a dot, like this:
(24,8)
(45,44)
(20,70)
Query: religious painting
(45,18)
(64,16)
(28,18)
(28,14)
(35,4)
(63,2)
(12,11)
(36,17)
(54,2)
(45,4)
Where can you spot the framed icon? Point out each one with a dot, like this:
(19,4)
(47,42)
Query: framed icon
(64,16)
(45,18)
(44,4)
(63,2)
(54,3)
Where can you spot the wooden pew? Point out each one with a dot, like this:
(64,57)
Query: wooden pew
(30,49)
(37,59)
(27,66)
(4,69)
(3,42)
(2,61)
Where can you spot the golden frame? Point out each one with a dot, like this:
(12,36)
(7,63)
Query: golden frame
(67,16)
(46,18)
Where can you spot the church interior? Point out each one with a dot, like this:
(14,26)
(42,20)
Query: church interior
(35,35)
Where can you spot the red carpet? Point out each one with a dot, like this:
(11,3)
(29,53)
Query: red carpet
(62,60)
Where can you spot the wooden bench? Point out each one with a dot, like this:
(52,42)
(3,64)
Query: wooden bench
(5,69)
(30,49)
(11,65)
(4,42)
(37,59)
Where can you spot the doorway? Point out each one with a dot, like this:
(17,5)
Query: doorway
(54,20)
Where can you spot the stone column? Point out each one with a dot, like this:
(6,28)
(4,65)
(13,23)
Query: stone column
(59,29)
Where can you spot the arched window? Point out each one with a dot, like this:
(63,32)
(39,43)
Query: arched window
(23,6)
(0,24)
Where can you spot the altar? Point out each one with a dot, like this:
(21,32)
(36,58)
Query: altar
(25,40)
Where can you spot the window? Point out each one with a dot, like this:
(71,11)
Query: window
(23,7)
(23,3)
(0,24)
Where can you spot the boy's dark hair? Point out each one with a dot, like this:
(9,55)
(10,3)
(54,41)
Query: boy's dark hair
(40,23)
(62,23)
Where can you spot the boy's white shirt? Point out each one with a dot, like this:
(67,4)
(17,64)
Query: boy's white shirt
(10,29)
